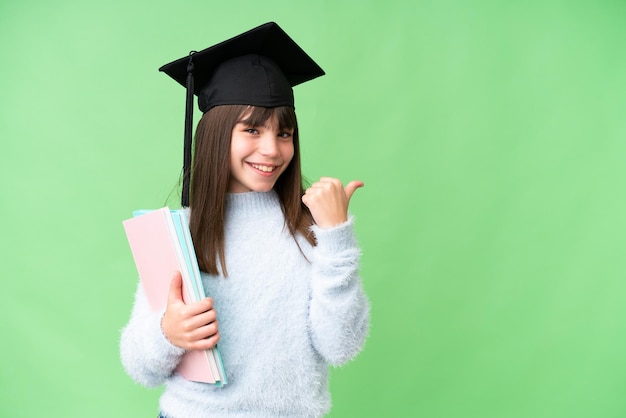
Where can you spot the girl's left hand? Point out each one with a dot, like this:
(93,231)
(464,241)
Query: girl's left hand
(328,201)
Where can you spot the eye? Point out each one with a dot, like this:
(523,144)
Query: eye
(285,134)
(252,131)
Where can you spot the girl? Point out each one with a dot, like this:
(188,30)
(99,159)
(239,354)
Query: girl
(280,263)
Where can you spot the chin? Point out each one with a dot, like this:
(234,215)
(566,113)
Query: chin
(263,189)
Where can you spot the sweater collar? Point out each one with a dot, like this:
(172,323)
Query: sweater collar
(252,201)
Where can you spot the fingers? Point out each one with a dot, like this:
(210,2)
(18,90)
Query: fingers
(191,326)
(325,184)
(197,308)
(206,343)
(195,335)
(330,182)
(199,320)
(200,332)
(328,201)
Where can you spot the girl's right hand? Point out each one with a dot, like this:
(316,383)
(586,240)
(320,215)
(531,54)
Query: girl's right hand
(190,326)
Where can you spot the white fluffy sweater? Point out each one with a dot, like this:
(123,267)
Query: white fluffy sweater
(283,320)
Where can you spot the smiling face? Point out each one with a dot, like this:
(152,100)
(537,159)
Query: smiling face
(259,154)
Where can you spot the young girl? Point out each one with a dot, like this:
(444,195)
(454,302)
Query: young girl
(280,263)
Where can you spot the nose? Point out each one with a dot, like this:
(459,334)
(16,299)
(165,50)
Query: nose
(268,145)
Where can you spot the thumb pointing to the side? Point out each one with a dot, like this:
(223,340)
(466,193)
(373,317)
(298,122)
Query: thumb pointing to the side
(351,187)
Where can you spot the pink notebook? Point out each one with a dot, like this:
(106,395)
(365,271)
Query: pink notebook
(156,252)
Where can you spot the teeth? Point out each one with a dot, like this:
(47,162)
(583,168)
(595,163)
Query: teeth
(264,168)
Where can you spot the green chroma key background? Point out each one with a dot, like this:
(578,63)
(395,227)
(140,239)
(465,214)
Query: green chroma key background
(491,136)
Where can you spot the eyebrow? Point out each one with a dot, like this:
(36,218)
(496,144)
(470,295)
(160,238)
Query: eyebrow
(248,122)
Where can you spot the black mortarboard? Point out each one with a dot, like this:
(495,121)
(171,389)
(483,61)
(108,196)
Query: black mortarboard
(258,67)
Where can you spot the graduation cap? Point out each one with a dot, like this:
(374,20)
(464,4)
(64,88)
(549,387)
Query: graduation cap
(258,68)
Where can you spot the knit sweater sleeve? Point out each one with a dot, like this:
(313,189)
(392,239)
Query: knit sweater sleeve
(339,309)
(147,356)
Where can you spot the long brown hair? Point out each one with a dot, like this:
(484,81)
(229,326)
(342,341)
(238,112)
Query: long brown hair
(210,178)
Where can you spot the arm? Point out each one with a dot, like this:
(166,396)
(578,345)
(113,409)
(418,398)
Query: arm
(339,310)
(147,356)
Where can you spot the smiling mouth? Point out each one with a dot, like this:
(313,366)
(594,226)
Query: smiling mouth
(264,168)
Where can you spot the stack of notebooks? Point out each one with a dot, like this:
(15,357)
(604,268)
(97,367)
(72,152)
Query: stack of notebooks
(161,244)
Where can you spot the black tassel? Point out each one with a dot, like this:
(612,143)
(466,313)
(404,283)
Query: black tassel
(188,133)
